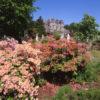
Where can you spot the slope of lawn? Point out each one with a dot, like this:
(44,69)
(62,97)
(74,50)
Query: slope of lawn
(96,62)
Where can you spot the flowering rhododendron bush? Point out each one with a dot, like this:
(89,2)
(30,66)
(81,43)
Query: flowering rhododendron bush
(18,65)
(63,55)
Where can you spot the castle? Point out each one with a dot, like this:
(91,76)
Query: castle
(53,25)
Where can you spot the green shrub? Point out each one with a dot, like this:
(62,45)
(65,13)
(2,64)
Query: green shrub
(78,36)
(57,35)
(40,81)
(88,74)
(92,69)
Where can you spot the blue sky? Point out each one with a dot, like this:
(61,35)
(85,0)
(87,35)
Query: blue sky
(68,10)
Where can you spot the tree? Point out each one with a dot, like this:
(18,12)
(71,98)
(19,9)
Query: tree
(39,26)
(73,27)
(88,27)
(15,17)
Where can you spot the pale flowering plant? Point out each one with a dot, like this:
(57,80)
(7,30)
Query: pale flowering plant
(8,43)
(63,55)
(19,63)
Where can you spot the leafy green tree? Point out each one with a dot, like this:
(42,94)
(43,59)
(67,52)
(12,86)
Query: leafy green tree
(15,17)
(73,27)
(39,26)
(78,36)
(88,27)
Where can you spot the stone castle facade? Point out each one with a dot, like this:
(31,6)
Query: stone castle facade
(53,25)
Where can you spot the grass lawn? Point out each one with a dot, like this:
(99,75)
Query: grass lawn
(96,62)
(96,54)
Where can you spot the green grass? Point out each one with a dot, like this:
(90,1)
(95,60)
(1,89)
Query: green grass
(96,55)
(66,93)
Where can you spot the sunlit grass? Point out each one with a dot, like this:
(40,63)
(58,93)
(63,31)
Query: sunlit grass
(96,55)
(96,63)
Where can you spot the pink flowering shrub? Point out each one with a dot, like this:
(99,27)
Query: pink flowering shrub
(62,55)
(8,44)
(18,65)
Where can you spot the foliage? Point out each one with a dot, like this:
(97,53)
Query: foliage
(85,30)
(19,63)
(66,93)
(73,27)
(15,17)
(40,80)
(22,66)
(92,70)
(79,36)
(87,75)
(57,35)
(62,55)
(39,26)
(88,27)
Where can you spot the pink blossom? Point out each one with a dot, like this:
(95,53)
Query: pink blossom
(16,61)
